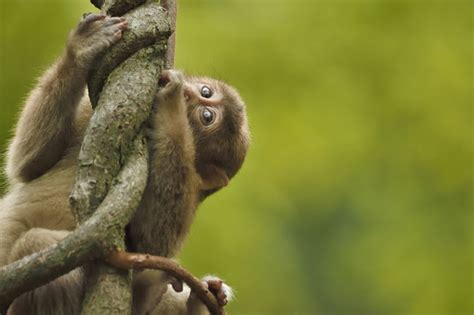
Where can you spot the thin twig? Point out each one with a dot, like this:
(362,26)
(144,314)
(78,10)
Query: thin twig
(126,260)
(172,7)
(92,239)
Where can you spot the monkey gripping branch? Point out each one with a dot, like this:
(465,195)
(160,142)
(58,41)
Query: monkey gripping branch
(112,172)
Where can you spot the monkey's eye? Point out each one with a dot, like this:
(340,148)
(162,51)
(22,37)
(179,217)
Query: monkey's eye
(206,92)
(207,116)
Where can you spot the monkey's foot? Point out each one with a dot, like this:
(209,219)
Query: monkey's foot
(221,291)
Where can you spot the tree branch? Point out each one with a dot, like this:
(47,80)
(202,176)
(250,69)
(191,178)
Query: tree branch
(90,240)
(125,260)
(112,171)
(123,105)
(147,25)
(119,7)
(172,7)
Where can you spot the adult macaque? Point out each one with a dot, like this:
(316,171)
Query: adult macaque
(198,138)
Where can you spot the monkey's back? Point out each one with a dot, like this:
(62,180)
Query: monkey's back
(40,203)
(44,201)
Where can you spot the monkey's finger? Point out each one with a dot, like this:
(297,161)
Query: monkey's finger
(116,28)
(176,76)
(113,20)
(87,20)
(221,298)
(215,285)
(92,17)
(217,288)
(117,35)
(164,78)
(122,25)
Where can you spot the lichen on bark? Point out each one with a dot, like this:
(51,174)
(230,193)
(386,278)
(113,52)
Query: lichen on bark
(124,98)
(112,170)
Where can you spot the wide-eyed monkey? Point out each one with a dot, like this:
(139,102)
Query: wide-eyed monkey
(198,138)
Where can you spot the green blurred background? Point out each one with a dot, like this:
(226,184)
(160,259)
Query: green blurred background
(357,193)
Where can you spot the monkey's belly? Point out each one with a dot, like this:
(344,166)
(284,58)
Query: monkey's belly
(43,202)
(159,231)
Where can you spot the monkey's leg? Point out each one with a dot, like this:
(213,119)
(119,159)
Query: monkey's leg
(167,207)
(148,289)
(61,296)
(45,127)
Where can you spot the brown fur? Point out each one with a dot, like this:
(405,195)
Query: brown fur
(41,165)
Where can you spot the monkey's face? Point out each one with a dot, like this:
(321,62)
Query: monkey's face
(218,119)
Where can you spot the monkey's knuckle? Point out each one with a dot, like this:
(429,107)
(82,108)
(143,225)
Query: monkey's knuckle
(112,20)
(115,30)
(176,77)
(92,17)
(88,22)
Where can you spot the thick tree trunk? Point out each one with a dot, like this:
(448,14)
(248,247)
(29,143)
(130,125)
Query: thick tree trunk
(95,238)
(124,98)
(112,169)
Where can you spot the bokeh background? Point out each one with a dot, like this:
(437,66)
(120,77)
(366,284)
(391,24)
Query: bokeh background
(357,193)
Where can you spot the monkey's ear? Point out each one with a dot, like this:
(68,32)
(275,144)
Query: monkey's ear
(213,177)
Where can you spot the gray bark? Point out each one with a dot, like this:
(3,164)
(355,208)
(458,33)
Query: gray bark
(172,7)
(124,103)
(147,25)
(112,170)
(95,238)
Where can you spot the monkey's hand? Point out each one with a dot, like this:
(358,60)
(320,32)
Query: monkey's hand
(94,34)
(171,85)
(221,291)
(170,106)
(179,299)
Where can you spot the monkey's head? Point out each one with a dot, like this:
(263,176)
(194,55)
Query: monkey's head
(218,119)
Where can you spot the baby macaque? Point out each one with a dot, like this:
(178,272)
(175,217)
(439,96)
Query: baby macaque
(197,137)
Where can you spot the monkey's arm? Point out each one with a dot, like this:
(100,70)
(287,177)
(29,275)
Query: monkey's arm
(45,123)
(170,199)
(45,126)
